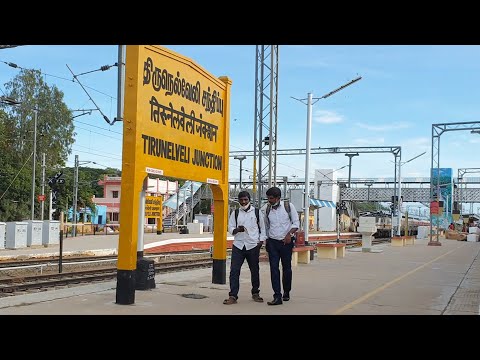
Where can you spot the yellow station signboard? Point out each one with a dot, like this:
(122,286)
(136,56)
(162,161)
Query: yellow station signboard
(181,117)
(176,124)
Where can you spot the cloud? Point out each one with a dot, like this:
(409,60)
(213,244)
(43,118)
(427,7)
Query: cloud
(327,117)
(420,142)
(366,141)
(389,127)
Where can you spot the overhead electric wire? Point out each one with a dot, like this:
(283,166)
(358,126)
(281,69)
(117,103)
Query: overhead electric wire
(89,148)
(98,127)
(88,152)
(111,137)
(91,99)
(13,65)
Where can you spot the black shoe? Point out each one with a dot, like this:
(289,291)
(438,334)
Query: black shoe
(275,301)
(286,296)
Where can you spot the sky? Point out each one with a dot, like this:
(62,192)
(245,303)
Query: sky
(403,91)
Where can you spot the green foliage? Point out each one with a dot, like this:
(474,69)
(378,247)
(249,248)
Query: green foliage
(370,206)
(88,179)
(55,136)
(204,207)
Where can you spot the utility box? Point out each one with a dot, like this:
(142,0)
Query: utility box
(206,220)
(297,198)
(195,227)
(34,232)
(16,235)
(3,227)
(51,232)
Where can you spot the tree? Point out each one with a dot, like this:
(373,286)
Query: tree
(55,136)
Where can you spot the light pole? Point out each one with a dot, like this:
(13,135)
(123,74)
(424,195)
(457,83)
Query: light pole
(368,192)
(240,158)
(75,194)
(400,188)
(307,148)
(34,161)
(350,166)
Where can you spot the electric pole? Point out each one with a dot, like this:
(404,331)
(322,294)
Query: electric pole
(75,192)
(43,185)
(34,162)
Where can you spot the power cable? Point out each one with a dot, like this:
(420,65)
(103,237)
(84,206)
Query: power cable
(98,127)
(111,137)
(87,152)
(15,66)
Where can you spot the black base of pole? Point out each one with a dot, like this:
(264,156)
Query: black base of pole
(125,287)
(219,272)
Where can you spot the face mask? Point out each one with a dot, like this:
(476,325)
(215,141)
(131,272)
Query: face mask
(245,207)
(277,203)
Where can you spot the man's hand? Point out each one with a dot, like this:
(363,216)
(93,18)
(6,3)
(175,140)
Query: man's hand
(287,239)
(240,228)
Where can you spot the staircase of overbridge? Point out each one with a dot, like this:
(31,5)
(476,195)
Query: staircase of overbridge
(190,190)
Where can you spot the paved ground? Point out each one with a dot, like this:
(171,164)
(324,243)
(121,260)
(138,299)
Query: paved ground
(416,279)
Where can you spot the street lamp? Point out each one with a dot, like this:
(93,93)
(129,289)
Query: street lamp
(350,166)
(240,158)
(400,188)
(310,104)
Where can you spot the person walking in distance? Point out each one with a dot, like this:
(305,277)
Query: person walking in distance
(281,219)
(247,225)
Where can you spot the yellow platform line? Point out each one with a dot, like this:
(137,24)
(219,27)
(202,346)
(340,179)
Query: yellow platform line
(383,287)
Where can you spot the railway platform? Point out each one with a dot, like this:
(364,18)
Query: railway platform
(412,280)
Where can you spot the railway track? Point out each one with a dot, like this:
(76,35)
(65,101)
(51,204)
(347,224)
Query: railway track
(70,259)
(21,285)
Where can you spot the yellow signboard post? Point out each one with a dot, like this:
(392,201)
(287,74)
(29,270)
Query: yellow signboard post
(176,124)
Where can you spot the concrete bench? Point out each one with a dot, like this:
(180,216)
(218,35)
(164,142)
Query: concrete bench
(398,241)
(330,250)
(301,254)
(409,240)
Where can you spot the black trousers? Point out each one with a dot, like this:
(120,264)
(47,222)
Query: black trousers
(277,251)
(238,257)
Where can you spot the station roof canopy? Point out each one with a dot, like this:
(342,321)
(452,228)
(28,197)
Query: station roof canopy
(322,203)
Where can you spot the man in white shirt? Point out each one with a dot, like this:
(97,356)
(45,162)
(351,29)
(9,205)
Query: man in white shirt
(247,225)
(281,227)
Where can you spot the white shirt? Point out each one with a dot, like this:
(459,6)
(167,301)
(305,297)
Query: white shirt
(251,236)
(279,221)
